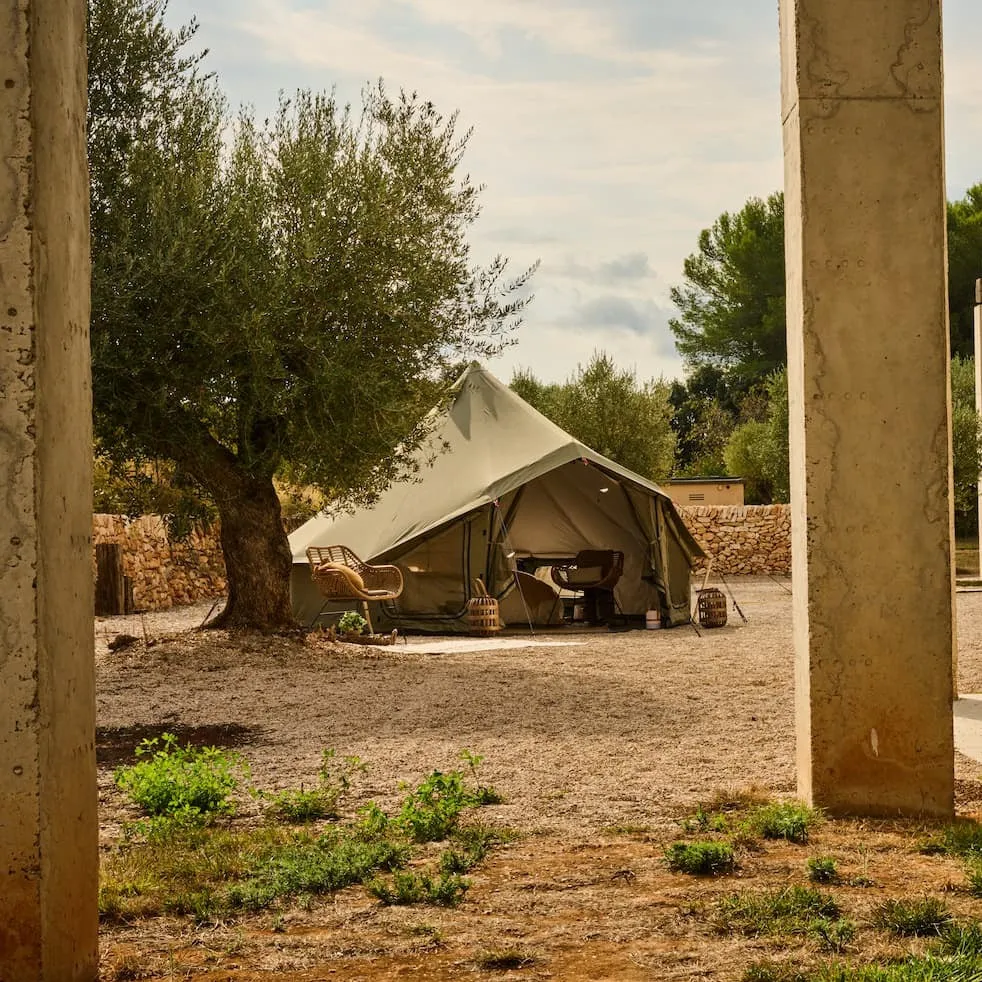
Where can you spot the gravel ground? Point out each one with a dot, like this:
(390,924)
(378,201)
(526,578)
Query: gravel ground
(610,730)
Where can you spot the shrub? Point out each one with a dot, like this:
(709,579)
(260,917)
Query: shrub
(700,858)
(174,780)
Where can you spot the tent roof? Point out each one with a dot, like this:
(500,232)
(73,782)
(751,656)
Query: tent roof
(489,442)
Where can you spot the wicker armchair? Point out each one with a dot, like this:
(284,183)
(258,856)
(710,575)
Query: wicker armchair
(594,573)
(340,575)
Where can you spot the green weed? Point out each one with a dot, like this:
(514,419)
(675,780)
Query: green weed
(431,811)
(705,821)
(313,865)
(960,940)
(408,888)
(175,780)
(299,805)
(789,820)
(973,872)
(822,869)
(470,846)
(700,858)
(908,917)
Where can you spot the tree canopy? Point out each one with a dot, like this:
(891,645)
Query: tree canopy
(611,411)
(731,303)
(732,299)
(287,293)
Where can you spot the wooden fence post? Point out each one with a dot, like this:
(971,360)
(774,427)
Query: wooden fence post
(110,592)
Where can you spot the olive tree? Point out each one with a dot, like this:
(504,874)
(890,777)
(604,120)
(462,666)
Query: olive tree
(287,293)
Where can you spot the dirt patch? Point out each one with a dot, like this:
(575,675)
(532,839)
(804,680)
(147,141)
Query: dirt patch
(597,748)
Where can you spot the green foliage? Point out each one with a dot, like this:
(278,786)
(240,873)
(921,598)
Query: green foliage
(792,911)
(313,865)
(732,299)
(149,488)
(909,917)
(700,858)
(966,438)
(351,622)
(432,810)
(789,820)
(702,820)
(280,294)
(445,890)
(185,782)
(731,303)
(758,450)
(964,267)
(309,804)
(973,873)
(179,864)
(609,410)
(822,869)
(300,805)
(961,838)
(771,972)
(470,845)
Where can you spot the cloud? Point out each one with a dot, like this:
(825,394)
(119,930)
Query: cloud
(610,310)
(630,267)
(607,135)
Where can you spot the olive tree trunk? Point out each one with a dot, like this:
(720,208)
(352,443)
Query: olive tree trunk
(258,561)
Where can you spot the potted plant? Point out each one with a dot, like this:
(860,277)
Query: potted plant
(352,624)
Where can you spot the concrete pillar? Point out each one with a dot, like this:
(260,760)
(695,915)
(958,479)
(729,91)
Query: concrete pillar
(870,426)
(48,822)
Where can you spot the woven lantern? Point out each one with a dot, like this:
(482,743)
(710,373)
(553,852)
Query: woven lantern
(712,608)
(483,616)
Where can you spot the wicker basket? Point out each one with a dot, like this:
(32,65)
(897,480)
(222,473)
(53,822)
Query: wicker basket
(483,617)
(712,608)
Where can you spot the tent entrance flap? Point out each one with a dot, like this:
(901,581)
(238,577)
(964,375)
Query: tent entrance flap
(439,570)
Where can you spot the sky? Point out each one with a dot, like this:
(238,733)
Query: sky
(607,133)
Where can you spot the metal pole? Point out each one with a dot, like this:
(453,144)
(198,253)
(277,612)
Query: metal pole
(978,393)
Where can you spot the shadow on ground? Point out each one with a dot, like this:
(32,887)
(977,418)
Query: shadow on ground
(117,745)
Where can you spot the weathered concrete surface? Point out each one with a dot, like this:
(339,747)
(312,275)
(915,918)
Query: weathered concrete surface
(48,823)
(870,426)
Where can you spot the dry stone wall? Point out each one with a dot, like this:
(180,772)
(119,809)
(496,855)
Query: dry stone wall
(743,540)
(164,573)
(752,539)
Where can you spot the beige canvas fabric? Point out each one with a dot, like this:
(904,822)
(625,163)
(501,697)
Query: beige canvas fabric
(509,484)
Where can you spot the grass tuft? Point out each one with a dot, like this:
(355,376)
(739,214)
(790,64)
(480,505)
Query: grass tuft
(961,838)
(911,917)
(788,820)
(792,911)
(772,972)
(700,858)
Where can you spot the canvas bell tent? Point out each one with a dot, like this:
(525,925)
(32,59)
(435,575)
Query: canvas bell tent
(500,492)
